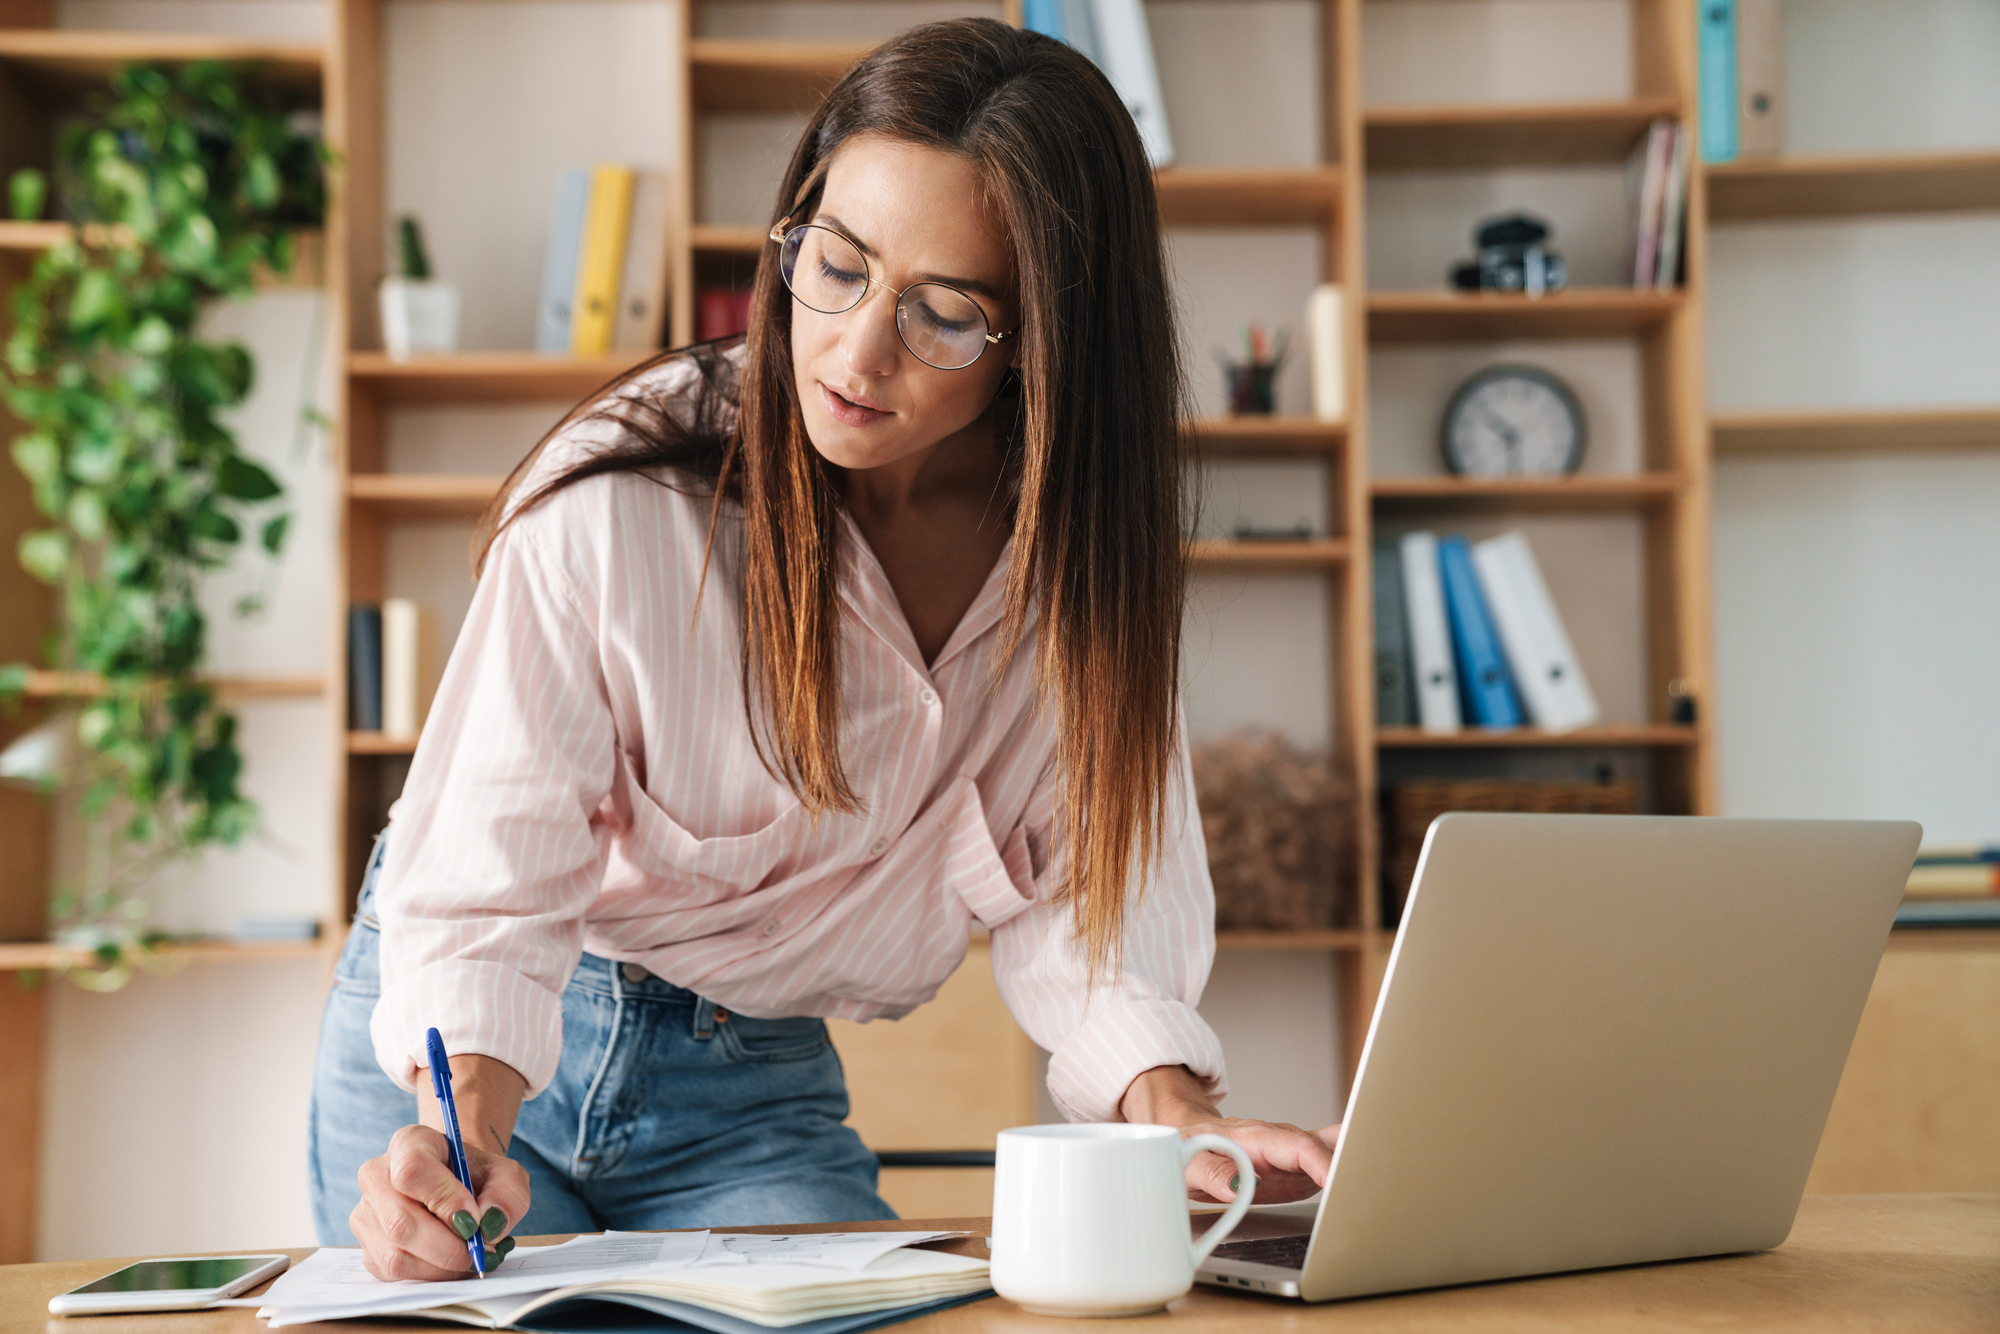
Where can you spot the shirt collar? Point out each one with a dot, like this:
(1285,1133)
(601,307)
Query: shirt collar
(872,599)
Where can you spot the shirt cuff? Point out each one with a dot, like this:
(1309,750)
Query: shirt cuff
(529,1037)
(1089,1073)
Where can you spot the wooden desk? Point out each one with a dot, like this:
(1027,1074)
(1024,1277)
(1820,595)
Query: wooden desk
(1853,1262)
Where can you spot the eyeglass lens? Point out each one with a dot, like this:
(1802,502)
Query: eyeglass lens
(941,326)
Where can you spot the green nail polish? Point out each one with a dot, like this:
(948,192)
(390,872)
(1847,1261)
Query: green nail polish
(501,1250)
(1235,1179)
(491,1225)
(464,1224)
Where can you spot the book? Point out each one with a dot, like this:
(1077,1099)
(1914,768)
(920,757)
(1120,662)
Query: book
(1715,69)
(729,1283)
(1125,54)
(1324,309)
(559,257)
(642,287)
(601,262)
(1646,178)
(409,659)
(1044,17)
(1552,686)
(1432,671)
(1673,213)
(1760,78)
(1395,693)
(364,668)
(1962,880)
(1935,854)
(1486,692)
(1949,912)
(720,312)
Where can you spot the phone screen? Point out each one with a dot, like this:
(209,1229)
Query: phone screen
(178,1275)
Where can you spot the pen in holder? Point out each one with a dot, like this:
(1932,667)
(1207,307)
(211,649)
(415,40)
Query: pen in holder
(1253,381)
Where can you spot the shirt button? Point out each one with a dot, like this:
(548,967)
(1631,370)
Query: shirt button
(878,847)
(770,928)
(634,973)
(928,696)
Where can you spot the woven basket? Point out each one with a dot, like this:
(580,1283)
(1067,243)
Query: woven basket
(1280,830)
(1408,809)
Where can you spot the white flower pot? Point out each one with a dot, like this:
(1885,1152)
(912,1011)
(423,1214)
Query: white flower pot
(418,317)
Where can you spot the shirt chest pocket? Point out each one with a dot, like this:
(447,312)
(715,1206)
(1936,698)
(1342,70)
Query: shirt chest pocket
(658,845)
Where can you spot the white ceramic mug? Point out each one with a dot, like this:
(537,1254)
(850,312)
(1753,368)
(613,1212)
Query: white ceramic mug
(1093,1220)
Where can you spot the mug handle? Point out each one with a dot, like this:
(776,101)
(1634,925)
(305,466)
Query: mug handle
(1219,1232)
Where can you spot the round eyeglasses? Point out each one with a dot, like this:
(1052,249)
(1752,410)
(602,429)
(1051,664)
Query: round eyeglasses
(826,272)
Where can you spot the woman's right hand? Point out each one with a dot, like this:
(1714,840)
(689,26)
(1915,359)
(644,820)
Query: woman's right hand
(414,1217)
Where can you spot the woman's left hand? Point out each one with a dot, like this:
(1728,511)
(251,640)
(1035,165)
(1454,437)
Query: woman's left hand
(1291,1163)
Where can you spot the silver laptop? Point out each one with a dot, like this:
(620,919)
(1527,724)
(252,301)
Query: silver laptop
(1601,1040)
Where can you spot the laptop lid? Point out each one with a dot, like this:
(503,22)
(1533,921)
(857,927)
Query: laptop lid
(1603,1040)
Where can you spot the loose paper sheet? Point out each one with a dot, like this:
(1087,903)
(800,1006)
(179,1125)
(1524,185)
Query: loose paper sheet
(333,1283)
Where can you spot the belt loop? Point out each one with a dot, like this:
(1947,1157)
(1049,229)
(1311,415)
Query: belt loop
(704,1019)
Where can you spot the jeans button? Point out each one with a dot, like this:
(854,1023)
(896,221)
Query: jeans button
(634,973)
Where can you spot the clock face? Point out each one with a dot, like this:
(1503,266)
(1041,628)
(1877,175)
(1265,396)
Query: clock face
(1511,421)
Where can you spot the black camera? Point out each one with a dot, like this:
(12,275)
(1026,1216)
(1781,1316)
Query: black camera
(1511,258)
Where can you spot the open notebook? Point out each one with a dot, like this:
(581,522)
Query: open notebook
(727,1283)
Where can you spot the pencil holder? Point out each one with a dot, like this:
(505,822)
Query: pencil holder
(1252,388)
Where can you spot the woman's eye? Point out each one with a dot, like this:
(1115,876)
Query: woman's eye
(832,274)
(940,323)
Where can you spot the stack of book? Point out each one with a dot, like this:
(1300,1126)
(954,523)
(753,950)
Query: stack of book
(1657,179)
(392,667)
(604,272)
(1467,632)
(1953,885)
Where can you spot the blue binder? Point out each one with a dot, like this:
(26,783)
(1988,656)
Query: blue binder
(552,313)
(1483,682)
(1715,62)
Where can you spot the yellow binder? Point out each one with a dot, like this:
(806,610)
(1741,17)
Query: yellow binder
(602,264)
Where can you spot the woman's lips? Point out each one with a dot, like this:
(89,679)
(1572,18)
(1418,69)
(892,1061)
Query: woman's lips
(847,412)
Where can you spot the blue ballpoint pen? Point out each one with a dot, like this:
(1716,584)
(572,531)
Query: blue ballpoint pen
(441,1085)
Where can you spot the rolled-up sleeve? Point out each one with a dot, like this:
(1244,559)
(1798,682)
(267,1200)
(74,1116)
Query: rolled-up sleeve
(496,851)
(1102,1035)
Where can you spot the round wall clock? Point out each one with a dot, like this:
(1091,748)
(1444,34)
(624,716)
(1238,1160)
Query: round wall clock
(1513,421)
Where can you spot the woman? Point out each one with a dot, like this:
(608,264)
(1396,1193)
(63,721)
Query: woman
(789,662)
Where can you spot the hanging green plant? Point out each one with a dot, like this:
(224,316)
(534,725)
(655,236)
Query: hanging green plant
(185,185)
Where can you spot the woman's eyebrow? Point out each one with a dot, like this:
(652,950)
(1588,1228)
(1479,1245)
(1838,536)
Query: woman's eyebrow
(969,284)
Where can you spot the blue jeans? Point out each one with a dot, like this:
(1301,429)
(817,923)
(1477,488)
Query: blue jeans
(660,1115)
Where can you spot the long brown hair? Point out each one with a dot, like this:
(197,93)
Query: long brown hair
(1094,461)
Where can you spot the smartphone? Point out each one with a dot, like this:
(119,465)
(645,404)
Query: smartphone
(181,1284)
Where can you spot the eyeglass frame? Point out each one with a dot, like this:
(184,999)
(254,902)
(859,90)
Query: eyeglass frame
(780,233)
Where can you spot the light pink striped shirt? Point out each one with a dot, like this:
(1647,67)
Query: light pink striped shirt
(586,781)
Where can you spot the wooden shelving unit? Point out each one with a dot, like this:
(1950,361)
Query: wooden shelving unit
(1448,138)
(1585,492)
(1478,317)
(1652,734)
(1854,185)
(1856,431)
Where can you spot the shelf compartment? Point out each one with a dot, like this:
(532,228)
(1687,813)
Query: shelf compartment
(1585,492)
(1457,317)
(19,955)
(1850,431)
(1248,197)
(1264,437)
(1854,185)
(1610,734)
(728,74)
(71,60)
(1473,137)
(425,496)
(1317,554)
(486,377)
(86,685)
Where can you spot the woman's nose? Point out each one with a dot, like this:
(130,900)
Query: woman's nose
(870,342)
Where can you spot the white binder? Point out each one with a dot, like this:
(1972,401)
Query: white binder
(1125,54)
(1551,683)
(1430,636)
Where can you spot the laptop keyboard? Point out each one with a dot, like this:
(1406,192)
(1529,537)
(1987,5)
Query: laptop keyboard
(1284,1252)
